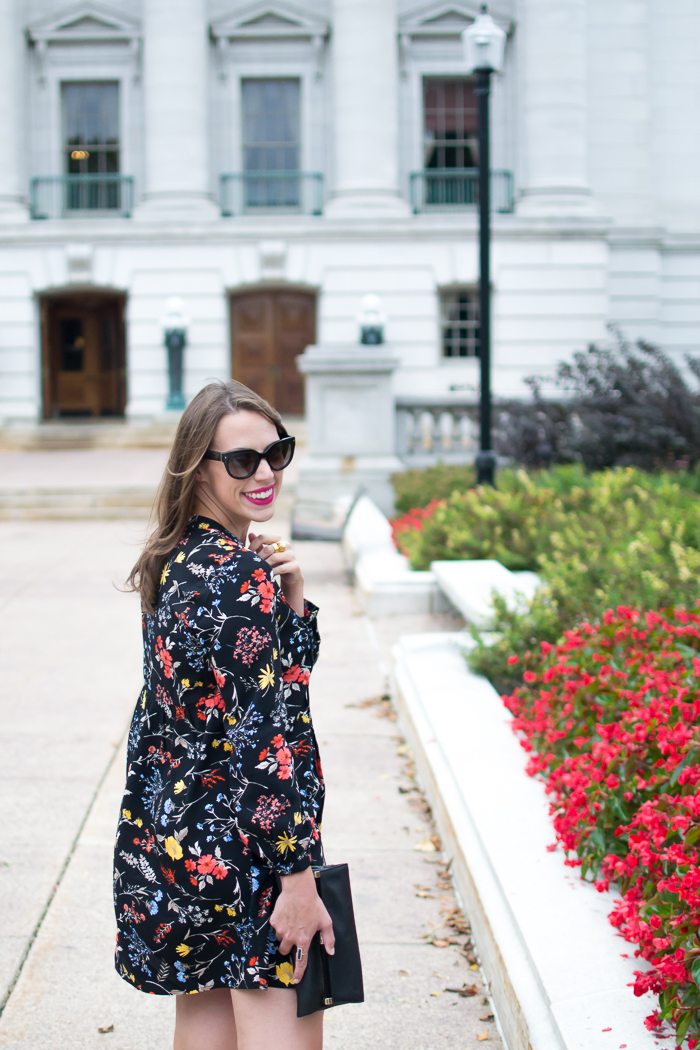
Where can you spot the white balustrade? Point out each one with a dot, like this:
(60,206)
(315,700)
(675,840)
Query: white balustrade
(436,430)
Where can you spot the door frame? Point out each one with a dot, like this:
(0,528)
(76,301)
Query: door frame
(56,295)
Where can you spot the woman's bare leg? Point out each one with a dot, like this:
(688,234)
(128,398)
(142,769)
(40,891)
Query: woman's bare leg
(205,1021)
(267,1020)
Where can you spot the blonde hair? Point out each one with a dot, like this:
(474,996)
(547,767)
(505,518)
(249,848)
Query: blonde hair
(176,496)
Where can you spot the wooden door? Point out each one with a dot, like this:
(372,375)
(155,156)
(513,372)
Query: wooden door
(269,329)
(84,365)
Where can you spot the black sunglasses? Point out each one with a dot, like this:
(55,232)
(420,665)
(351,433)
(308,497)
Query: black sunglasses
(243,462)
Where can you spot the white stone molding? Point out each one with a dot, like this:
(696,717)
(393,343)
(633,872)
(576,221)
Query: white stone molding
(79,259)
(273,260)
(441,18)
(265,20)
(84,23)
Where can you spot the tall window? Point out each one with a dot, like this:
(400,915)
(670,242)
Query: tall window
(91,127)
(91,145)
(450,123)
(271,142)
(459,308)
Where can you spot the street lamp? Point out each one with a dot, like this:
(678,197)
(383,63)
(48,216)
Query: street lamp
(175,326)
(484,45)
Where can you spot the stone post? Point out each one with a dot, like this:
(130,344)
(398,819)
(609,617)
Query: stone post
(552,62)
(12,198)
(175,80)
(366,109)
(350,414)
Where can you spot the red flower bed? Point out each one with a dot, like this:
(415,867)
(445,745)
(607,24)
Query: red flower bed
(612,719)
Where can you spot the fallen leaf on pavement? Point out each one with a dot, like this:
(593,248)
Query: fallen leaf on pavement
(440,944)
(436,994)
(486,1017)
(426,846)
(404,973)
(482,1036)
(109,1028)
(440,975)
(466,991)
(474,966)
(422,893)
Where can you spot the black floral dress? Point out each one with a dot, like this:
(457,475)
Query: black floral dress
(224,787)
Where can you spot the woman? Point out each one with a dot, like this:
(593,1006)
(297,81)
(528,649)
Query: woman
(224,791)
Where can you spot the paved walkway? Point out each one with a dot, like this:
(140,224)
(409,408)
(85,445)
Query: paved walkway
(70,668)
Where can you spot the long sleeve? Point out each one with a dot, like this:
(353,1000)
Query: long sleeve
(271,806)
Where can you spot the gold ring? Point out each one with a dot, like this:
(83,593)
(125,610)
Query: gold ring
(278,547)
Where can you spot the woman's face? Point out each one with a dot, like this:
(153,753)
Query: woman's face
(232,502)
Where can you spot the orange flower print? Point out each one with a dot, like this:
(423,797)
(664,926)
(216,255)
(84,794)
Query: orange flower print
(164,657)
(259,574)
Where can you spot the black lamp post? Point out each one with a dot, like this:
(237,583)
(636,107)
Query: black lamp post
(484,44)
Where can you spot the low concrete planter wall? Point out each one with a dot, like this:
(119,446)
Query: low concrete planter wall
(552,958)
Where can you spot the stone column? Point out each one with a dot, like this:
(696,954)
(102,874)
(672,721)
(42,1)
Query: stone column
(365,109)
(12,198)
(554,120)
(175,81)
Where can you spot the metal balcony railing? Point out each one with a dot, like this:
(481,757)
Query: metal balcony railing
(430,430)
(450,189)
(257,192)
(77,196)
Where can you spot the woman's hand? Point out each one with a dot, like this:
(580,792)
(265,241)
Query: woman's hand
(285,565)
(298,914)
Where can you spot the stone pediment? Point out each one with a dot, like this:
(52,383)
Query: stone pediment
(84,22)
(445,18)
(271,19)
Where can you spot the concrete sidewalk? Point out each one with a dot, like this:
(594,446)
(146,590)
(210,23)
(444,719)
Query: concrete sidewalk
(70,656)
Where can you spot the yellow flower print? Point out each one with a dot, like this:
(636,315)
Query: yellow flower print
(138,822)
(275,654)
(305,718)
(165,573)
(286,842)
(215,742)
(297,818)
(285,973)
(180,558)
(266,678)
(126,813)
(227,746)
(186,683)
(198,684)
(173,848)
(183,950)
(231,911)
(180,786)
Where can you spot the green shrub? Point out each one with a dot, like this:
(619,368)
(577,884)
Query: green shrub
(417,488)
(617,537)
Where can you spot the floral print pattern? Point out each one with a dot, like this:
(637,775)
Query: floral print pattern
(224,787)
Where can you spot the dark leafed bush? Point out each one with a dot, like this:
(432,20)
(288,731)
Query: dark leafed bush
(623,405)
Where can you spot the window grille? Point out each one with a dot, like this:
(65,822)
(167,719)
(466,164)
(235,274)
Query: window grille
(450,123)
(271,142)
(91,127)
(460,322)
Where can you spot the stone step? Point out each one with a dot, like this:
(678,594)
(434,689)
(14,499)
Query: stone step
(47,503)
(157,433)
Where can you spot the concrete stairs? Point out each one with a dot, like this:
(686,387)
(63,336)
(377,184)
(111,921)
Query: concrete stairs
(60,504)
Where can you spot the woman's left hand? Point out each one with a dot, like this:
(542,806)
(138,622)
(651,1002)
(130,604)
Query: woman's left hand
(285,566)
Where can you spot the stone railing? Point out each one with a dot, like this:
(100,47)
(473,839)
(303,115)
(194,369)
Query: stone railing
(431,430)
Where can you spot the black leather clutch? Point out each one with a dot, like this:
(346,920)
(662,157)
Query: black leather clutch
(332,980)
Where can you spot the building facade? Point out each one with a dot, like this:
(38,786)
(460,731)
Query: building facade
(270,164)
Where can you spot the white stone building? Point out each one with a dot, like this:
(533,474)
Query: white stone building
(271,163)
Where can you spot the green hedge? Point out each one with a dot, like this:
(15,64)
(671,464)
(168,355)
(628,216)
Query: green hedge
(616,537)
